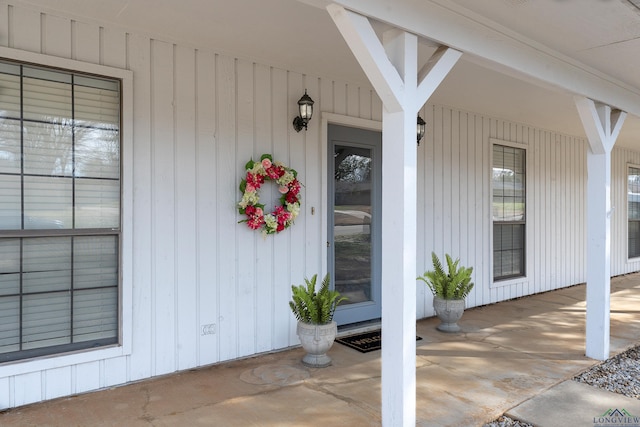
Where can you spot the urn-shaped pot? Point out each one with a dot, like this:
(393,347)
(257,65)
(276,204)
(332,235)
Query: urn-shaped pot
(449,311)
(316,340)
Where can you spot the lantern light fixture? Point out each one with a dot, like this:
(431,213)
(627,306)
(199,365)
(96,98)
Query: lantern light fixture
(420,129)
(305,110)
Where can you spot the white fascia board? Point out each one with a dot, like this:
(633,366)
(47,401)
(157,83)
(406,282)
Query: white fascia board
(470,33)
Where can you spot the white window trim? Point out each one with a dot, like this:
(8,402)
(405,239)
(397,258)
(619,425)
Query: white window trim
(528,220)
(626,213)
(126,256)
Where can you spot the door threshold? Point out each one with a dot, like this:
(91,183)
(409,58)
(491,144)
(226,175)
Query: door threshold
(359,327)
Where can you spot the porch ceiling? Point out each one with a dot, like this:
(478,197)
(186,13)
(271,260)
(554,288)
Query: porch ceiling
(293,34)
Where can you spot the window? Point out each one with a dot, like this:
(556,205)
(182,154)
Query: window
(633,210)
(60,197)
(509,191)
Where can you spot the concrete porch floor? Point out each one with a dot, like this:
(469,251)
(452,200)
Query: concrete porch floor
(507,354)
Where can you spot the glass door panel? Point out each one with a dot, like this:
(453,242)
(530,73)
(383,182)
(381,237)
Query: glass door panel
(354,221)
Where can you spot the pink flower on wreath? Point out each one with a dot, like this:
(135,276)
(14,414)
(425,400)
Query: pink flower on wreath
(291,198)
(266,163)
(283,189)
(294,186)
(255,222)
(255,217)
(294,190)
(254,181)
(282,215)
(275,172)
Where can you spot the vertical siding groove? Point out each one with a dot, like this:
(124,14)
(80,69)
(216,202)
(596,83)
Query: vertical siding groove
(197,214)
(458,209)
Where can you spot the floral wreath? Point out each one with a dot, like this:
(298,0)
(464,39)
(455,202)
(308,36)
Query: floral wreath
(284,214)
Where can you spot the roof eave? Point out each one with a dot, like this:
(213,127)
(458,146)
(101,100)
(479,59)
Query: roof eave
(449,24)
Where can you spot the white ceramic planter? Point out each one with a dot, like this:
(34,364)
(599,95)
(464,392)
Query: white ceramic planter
(449,311)
(317,340)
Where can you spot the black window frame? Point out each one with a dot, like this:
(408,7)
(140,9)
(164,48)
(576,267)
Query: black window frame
(511,233)
(633,211)
(75,235)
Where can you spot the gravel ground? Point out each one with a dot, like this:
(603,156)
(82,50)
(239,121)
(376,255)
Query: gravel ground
(507,422)
(619,374)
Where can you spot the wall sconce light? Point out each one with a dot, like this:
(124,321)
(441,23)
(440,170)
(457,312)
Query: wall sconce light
(305,108)
(420,129)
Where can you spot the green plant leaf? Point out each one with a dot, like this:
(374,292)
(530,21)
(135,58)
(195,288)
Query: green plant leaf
(454,284)
(311,306)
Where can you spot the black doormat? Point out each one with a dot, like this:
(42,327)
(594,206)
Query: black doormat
(364,342)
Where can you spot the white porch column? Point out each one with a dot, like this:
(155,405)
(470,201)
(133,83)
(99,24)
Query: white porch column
(602,126)
(399,205)
(391,66)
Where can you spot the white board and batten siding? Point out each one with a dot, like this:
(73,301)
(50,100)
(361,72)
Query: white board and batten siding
(206,289)
(455,202)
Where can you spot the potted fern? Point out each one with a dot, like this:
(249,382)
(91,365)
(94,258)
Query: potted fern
(314,312)
(449,290)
